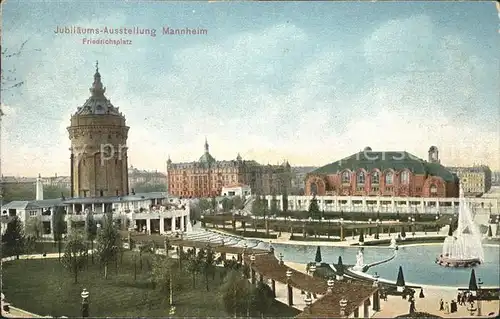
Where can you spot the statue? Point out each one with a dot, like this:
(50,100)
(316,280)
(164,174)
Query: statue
(393,243)
(359,261)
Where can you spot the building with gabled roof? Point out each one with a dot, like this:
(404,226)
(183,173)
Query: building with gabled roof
(384,173)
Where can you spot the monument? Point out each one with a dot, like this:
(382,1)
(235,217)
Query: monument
(463,248)
(360,263)
(393,244)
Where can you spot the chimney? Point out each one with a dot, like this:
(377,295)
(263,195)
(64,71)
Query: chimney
(39,188)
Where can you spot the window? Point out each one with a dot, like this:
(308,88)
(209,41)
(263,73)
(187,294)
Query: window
(375,189)
(389,178)
(375,178)
(360,188)
(405,177)
(433,189)
(346,177)
(361,177)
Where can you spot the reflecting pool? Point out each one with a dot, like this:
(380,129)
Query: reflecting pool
(418,263)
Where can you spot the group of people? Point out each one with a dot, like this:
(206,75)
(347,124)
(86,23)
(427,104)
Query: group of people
(463,298)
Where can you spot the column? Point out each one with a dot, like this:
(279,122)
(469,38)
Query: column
(162,225)
(148,225)
(103,207)
(422,206)
(182,222)
(173,223)
(273,287)
(73,207)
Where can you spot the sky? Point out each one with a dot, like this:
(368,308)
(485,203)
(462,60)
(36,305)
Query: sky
(307,82)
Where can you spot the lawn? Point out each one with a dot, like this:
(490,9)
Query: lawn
(44,287)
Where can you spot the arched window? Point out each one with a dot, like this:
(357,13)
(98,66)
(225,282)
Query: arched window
(389,176)
(433,189)
(314,189)
(375,178)
(346,177)
(361,177)
(405,177)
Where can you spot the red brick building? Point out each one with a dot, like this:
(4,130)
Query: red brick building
(206,177)
(370,173)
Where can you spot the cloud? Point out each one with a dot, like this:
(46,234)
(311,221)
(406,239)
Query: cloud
(273,93)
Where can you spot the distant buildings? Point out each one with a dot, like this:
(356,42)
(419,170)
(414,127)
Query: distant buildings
(206,177)
(394,173)
(240,190)
(495,178)
(142,177)
(298,179)
(476,180)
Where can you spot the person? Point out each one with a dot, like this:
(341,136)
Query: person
(421,295)
(459,298)
(446,308)
(441,305)
(453,306)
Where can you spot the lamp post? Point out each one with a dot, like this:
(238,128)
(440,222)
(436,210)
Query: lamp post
(252,271)
(343,305)
(342,229)
(85,303)
(478,296)
(308,301)
(290,292)
(330,284)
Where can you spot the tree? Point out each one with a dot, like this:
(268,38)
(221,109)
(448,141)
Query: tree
(51,191)
(91,231)
(13,239)
(34,227)
(238,202)
(108,242)
(58,226)
(262,299)
(75,254)
(318,258)
(166,276)
(285,200)
(149,188)
(314,209)
(490,233)
(213,204)
(235,293)
(227,204)
(274,206)
(204,204)
(33,231)
(194,266)
(361,238)
(403,233)
(208,263)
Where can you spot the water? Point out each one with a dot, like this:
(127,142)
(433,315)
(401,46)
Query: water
(417,262)
(466,244)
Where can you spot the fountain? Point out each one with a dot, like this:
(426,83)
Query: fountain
(464,249)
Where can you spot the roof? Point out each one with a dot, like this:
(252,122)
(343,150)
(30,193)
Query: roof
(33,204)
(235,185)
(369,160)
(115,199)
(207,158)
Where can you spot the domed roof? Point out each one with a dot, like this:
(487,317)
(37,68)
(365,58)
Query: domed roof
(97,103)
(207,158)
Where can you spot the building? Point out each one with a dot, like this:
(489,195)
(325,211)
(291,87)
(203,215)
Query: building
(298,177)
(207,176)
(98,137)
(143,177)
(148,212)
(476,180)
(240,190)
(57,181)
(481,207)
(392,173)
